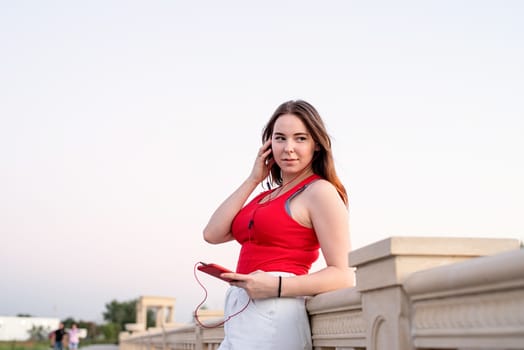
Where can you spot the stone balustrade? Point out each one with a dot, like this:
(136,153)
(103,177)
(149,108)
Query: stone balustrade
(411,293)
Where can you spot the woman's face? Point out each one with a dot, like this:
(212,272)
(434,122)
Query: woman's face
(292,144)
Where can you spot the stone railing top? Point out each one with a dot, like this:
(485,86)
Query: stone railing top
(135,327)
(431,246)
(337,300)
(388,262)
(154,299)
(505,270)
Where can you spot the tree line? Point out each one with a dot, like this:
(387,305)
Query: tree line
(116,316)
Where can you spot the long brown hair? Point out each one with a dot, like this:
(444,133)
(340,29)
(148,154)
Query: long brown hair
(323,163)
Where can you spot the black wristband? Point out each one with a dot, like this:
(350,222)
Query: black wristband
(279,285)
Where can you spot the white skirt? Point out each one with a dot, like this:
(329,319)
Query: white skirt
(266,324)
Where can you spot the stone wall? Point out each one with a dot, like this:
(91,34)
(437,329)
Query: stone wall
(411,293)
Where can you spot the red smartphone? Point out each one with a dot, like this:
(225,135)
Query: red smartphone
(214,270)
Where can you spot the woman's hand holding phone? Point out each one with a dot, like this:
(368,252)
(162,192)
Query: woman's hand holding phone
(215,270)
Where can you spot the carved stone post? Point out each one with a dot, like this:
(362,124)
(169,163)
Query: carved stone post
(382,267)
(199,343)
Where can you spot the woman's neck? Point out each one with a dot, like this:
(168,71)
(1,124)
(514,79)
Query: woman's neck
(288,180)
(293,179)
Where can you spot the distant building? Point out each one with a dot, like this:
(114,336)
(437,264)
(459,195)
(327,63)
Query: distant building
(18,328)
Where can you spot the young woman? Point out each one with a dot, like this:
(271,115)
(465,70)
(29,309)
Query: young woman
(281,230)
(74,337)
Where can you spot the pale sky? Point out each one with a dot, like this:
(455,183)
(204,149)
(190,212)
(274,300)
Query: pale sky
(124,124)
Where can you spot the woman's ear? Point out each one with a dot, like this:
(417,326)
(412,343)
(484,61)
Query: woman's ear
(317,147)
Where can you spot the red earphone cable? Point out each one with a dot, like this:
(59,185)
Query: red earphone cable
(203,301)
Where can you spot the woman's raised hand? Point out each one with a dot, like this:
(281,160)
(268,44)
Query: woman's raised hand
(263,163)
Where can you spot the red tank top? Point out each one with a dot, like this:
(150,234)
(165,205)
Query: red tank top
(271,240)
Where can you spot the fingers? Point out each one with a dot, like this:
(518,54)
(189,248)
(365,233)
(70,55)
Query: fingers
(266,145)
(234,276)
(263,162)
(265,150)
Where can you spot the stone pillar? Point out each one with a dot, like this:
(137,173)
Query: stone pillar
(141,312)
(160,316)
(382,267)
(170,315)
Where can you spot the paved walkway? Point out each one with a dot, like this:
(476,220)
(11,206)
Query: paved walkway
(100,347)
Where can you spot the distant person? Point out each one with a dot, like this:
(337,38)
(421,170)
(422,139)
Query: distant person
(74,337)
(59,336)
(281,231)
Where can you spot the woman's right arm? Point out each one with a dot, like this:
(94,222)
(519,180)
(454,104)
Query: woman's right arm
(218,229)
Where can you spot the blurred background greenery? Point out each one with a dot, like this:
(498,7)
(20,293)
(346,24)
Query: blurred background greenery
(116,316)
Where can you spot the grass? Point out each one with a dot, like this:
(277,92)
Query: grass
(24,345)
(43,345)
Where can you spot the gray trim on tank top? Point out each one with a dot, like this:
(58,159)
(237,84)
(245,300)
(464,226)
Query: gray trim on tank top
(299,191)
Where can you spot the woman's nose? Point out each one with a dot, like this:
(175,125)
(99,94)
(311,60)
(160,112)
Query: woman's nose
(289,147)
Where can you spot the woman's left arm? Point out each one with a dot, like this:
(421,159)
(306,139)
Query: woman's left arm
(330,219)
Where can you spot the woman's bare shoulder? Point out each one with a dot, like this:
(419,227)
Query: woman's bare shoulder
(323,194)
(322,188)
